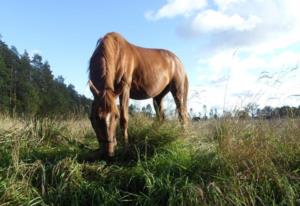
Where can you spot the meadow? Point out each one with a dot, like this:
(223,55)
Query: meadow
(214,162)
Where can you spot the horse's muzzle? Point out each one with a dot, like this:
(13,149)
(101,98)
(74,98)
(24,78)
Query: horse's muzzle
(110,147)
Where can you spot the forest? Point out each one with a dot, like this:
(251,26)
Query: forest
(28,87)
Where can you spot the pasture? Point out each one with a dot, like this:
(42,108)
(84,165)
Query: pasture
(214,162)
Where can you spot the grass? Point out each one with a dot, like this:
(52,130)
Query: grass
(216,162)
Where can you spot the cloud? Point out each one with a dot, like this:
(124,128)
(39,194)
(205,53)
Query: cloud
(261,25)
(214,21)
(225,4)
(176,7)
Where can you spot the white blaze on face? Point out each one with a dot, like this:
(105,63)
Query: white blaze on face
(107,120)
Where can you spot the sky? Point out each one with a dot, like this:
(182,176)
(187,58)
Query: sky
(235,52)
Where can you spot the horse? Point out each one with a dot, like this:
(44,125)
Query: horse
(121,69)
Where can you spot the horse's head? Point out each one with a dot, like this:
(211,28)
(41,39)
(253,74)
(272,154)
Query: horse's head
(104,118)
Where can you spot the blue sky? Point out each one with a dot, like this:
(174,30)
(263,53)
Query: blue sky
(225,45)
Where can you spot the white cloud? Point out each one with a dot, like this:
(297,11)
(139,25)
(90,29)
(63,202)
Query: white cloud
(215,21)
(262,25)
(176,7)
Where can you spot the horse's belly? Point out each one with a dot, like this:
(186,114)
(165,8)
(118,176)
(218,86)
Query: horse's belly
(138,94)
(148,82)
(145,90)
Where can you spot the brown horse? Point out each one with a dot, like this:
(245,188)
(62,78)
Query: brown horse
(120,69)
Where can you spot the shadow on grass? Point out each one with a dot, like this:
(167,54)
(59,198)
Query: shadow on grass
(144,141)
(139,148)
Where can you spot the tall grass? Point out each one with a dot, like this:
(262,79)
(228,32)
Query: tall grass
(216,162)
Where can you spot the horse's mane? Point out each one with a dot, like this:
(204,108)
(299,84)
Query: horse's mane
(102,68)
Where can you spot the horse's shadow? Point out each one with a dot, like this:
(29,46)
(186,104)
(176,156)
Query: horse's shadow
(136,151)
(143,144)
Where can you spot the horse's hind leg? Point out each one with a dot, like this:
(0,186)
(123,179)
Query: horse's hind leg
(158,105)
(179,94)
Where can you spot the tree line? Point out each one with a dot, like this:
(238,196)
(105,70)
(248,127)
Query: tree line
(250,111)
(28,87)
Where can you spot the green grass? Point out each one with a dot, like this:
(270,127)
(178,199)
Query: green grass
(216,162)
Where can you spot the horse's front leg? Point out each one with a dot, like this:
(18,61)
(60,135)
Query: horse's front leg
(124,100)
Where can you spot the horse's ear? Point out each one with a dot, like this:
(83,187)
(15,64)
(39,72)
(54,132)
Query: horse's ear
(93,89)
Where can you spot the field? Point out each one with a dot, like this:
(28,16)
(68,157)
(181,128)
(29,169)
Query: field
(214,162)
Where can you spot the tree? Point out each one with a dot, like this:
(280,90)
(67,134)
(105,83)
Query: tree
(216,113)
(266,112)
(37,61)
(252,109)
(132,109)
(4,86)
(242,114)
(211,113)
(26,93)
(148,110)
(14,50)
(191,113)
(204,112)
